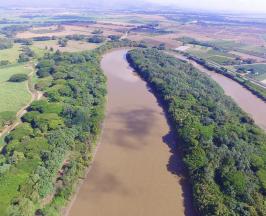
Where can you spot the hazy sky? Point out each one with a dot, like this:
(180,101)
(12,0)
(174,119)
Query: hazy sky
(223,5)
(228,5)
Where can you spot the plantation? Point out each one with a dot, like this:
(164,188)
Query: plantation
(224,151)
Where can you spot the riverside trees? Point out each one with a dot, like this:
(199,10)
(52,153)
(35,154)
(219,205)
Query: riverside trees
(225,153)
(46,154)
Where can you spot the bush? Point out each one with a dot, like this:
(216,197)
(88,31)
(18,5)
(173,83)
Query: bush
(5,43)
(7,118)
(96,39)
(18,78)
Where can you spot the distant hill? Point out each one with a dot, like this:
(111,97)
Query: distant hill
(93,4)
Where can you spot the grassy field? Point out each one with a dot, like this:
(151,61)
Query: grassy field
(258,70)
(10,54)
(72,46)
(210,54)
(13,96)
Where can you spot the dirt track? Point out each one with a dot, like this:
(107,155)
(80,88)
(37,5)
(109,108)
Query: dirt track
(35,95)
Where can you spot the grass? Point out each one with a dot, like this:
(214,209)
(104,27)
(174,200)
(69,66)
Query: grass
(72,46)
(218,57)
(8,71)
(259,70)
(13,96)
(10,54)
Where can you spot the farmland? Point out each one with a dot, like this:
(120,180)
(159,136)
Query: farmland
(61,55)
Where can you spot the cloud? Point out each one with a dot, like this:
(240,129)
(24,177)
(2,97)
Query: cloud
(222,5)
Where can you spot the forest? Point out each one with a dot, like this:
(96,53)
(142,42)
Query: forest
(223,150)
(46,155)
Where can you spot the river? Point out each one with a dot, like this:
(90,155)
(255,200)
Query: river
(249,103)
(137,170)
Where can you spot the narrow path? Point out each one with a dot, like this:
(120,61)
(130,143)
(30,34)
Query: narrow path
(136,171)
(35,95)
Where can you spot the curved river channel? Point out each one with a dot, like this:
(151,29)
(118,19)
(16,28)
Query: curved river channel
(136,171)
(249,103)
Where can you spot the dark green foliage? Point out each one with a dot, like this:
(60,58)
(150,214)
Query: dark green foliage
(96,39)
(63,127)
(4,62)
(62,42)
(114,37)
(225,153)
(97,31)
(11,30)
(43,38)
(44,106)
(22,131)
(26,54)
(23,41)
(18,78)
(5,43)
(7,118)
(76,37)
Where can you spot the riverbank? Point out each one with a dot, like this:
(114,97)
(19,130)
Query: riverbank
(254,86)
(220,142)
(133,172)
(249,102)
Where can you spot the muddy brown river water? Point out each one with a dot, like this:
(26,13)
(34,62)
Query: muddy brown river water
(136,171)
(249,103)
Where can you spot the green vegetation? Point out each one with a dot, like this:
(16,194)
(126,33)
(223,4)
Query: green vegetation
(257,71)
(217,56)
(255,89)
(96,39)
(62,42)
(26,54)
(58,134)
(224,152)
(13,95)
(7,118)
(5,43)
(18,78)
(11,54)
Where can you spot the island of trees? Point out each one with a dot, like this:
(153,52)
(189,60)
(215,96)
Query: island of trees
(224,152)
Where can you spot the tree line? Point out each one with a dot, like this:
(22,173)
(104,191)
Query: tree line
(224,152)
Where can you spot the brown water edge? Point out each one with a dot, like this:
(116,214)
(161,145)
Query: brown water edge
(248,102)
(136,171)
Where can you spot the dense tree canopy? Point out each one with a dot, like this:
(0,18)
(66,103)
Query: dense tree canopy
(225,153)
(53,146)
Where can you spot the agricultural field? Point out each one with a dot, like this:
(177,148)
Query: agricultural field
(41,47)
(13,96)
(11,54)
(257,71)
(210,54)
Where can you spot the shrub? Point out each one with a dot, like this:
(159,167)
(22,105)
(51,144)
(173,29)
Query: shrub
(18,78)
(7,118)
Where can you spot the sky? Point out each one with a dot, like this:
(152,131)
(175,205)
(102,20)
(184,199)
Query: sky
(258,6)
(224,5)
